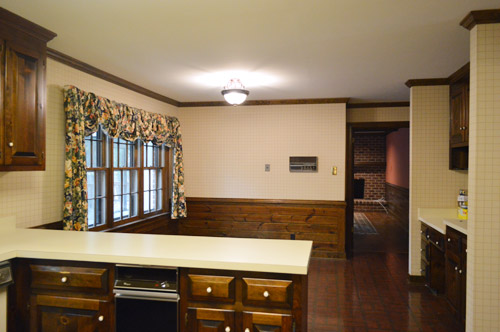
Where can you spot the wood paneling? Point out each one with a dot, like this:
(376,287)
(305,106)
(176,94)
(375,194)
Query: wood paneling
(481,17)
(398,200)
(320,221)
(156,225)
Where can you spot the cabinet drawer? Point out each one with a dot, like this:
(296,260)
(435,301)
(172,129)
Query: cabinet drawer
(268,292)
(69,278)
(207,287)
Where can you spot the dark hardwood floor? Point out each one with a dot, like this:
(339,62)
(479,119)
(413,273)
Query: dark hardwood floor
(370,292)
(391,237)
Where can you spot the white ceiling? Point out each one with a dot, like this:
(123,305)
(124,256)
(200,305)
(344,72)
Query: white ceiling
(286,49)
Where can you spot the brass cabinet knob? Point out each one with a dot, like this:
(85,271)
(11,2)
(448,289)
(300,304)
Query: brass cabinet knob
(64,279)
(460,271)
(456,268)
(449,240)
(101,318)
(209,290)
(266,294)
(11,144)
(228,329)
(247,330)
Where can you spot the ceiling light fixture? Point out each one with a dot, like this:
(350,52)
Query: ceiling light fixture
(234,92)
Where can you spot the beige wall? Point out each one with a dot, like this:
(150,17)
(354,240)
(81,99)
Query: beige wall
(432,184)
(36,198)
(483,239)
(226,149)
(378,114)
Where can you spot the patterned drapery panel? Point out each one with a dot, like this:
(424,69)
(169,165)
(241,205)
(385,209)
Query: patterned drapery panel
(84,113)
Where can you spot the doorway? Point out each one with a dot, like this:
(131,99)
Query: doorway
(376,187)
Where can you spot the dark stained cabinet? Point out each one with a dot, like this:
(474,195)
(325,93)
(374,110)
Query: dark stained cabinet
(61,296)
(433,258)
(456,271)
(459,114)
(263,322)
(210,320)
(459,119)
(50,313)
(218,300)
(22,93)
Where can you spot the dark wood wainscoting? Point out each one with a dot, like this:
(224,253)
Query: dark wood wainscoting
(398,200)
(154,225)
(323,222)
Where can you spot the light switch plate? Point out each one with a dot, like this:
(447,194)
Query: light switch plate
(268,167)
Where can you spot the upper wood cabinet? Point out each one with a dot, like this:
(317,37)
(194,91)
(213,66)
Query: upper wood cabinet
(23,47)
(459,114)
(459,119)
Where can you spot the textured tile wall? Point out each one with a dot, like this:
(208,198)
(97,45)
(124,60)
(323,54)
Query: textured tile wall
(432,184)
(226,149)
(37,197)
(483,241)
(378,114)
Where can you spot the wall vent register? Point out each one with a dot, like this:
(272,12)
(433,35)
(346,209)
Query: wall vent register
(304,164)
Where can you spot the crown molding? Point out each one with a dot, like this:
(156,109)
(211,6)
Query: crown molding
(85,67)
(426,82)
(380,104)
(480,17)
(267,102)
(17,22)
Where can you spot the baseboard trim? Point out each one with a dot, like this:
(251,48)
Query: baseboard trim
(412,279)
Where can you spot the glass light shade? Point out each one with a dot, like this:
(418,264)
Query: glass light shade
(235,96)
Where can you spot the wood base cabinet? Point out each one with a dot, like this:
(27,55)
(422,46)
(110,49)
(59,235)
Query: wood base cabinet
(61,296)
(50,313)
(219,300)
(456,271)
(433,258)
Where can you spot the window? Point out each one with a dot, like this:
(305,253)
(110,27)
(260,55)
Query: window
(125,180)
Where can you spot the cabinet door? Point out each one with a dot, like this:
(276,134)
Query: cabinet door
(264,322)
(65,314)
(463,280)
(457,107)
(452,284)
(436,273)
(24,118)
(210,320)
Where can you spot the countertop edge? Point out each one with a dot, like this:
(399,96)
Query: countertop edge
(430,224)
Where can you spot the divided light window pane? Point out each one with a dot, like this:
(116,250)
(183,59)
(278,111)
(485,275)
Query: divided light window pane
(95,155)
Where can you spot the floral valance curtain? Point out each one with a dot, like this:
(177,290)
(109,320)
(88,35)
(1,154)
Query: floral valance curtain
(84,113)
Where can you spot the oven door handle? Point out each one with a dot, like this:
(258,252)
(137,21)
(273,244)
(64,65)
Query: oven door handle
(142,295)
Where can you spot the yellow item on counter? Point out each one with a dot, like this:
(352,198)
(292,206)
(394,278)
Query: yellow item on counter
(463,213)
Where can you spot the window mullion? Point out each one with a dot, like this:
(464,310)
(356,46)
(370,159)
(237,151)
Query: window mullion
(110,188)
(140,186)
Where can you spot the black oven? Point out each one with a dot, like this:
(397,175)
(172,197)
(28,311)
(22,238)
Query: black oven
(146,299)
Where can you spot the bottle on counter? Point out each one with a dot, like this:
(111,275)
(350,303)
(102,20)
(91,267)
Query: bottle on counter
(463,207)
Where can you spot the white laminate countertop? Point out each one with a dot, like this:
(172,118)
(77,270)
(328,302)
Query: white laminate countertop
(259,255)
(440,218)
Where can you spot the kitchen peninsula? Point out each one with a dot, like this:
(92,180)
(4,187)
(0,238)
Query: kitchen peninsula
(276,268)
